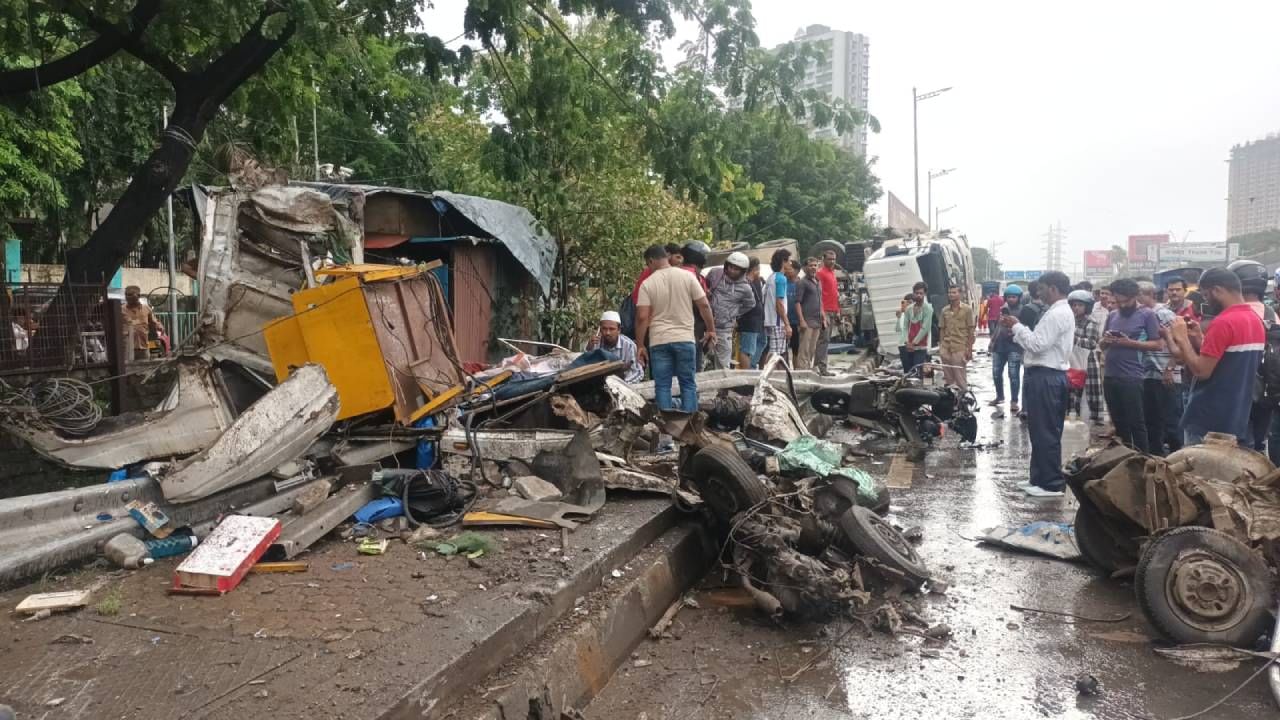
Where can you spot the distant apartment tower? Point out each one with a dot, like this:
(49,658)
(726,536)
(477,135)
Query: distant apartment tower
(1253,187)
(843,76)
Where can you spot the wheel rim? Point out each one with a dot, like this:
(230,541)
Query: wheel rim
(893,538)
(716,492)
(1207,591)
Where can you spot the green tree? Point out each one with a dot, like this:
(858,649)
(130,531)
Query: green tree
(812,189)
(985,266)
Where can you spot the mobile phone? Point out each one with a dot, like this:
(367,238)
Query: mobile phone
(1005,311)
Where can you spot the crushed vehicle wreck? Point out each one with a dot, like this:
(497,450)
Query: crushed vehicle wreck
(1199,530)
(801,530)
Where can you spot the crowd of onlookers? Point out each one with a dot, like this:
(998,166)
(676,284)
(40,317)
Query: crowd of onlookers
(1156,368)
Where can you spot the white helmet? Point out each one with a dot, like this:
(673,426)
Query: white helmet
(739,259)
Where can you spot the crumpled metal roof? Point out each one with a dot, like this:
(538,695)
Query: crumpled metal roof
(513,226)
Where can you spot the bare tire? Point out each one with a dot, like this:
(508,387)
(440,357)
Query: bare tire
(869,534)
(726,482)
(1199,585)
(1097,544)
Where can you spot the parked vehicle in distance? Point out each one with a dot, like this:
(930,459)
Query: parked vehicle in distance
(941,260)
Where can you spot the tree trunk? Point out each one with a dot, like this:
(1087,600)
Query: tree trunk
(199,97)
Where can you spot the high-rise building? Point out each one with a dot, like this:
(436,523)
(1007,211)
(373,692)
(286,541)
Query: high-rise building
(1253,187)
(842,76)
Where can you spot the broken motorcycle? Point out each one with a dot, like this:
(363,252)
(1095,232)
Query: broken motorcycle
(903,406)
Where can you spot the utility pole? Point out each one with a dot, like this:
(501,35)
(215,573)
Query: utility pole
(991,260)
(315,133)
(1053,247)
(173,257)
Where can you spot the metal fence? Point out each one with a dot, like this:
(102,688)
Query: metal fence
(44,335)
(179,331)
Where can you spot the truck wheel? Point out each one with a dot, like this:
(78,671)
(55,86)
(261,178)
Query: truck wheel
(1199,585)
(726,482)
(866,533)
(1098,546)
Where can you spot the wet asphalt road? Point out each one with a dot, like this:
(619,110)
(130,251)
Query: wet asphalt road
(1000,663)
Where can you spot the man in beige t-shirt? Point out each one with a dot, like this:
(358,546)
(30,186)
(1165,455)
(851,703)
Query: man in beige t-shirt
(664,328)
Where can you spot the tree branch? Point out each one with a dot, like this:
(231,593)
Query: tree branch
(244,59)
(24,80)
(133,43)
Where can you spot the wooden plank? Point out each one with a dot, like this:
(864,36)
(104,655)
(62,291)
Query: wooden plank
(474,519)
(587,372)
(53,602)
(295,566)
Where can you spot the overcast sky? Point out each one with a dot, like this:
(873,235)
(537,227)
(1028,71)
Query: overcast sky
(1115,117)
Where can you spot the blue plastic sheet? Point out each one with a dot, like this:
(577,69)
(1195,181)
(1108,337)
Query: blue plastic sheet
(426,448)
(380,509)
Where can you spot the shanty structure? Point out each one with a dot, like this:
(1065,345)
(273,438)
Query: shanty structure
(497,261)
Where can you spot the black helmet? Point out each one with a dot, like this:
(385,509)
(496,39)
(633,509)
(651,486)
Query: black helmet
(695,252)
(1253,276)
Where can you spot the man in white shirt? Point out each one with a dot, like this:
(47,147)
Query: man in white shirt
(1045,358)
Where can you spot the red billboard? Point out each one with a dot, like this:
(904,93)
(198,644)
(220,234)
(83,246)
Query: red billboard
(1139,246)
(1097,259)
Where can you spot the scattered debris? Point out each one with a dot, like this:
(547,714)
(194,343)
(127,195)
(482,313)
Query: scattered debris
(53,602)
(372,546)
(126,551)
(470,544)
(223,559)
(72,639)
(1086,684)
(1056,540)
(532,487)
(150,517)
(280,567)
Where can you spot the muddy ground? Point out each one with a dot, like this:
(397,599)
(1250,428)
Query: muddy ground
(729,662)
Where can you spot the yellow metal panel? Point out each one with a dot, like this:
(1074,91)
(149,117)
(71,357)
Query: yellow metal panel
(286,345)
(334,321)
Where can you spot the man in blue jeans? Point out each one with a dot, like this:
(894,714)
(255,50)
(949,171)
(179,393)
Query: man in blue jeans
(664,317)
(1046,355)
(1006,353)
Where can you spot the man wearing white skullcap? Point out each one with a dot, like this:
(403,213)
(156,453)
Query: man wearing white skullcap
(609,338)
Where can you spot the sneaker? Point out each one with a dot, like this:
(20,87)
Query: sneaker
(1013,408)
(996,402)
(1039,492)
(1025,485)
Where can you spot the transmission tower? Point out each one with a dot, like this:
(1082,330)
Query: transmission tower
(1053,247)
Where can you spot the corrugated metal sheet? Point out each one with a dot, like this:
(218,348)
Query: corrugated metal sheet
(472,287)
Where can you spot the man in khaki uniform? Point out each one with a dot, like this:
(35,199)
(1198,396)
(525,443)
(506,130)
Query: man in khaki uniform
(138,322)
(956,348)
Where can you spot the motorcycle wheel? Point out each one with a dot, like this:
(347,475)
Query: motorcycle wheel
(869,534)
(1199,585)
(726,482)
(830,401)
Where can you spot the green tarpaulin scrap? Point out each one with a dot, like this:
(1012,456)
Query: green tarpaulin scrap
(822,458)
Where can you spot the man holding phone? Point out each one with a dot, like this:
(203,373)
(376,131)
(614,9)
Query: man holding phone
(1225,366)
(1130,331)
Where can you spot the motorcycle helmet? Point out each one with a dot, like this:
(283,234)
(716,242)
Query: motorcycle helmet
(739,259)
(695,253)
(1013,290)
(1252,274)
(1081,296)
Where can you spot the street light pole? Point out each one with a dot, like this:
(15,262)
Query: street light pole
(915,140)
(929,208)
(938,215)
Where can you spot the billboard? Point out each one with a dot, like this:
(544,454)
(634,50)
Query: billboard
(1202,254)
(1097,259)
(901,217)
(1139,245)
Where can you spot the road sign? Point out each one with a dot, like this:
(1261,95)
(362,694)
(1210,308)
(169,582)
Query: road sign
(1196,253)
(1024,275)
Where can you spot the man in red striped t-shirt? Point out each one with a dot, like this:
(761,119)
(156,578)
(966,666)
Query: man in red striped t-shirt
(1226,367)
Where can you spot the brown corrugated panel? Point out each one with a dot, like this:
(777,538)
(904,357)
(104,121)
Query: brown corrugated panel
(472,288)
